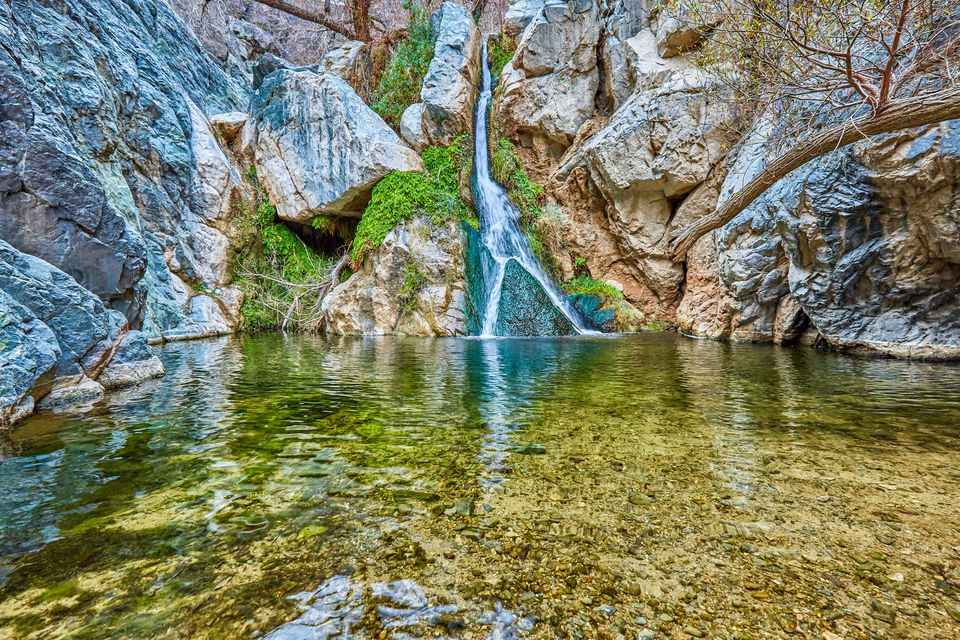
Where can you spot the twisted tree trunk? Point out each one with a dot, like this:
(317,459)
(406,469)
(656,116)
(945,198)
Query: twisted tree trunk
(897,115)
(319,18)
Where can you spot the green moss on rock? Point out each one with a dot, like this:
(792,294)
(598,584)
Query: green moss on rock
(401,195)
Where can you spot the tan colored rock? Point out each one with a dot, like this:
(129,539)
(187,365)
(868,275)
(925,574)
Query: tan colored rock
(350,61)
(547,92)
(412,285)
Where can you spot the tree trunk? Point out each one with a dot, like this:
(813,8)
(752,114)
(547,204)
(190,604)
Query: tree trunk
(318,18)
(905,113)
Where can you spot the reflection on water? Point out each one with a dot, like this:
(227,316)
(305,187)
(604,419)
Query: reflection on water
(385,488)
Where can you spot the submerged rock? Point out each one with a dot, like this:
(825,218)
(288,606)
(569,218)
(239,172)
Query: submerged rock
(320,149)
(525,309)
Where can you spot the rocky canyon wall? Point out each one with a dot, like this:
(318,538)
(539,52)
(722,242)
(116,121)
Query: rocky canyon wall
(856,249)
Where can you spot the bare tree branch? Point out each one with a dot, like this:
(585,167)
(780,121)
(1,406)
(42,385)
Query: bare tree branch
(898,115)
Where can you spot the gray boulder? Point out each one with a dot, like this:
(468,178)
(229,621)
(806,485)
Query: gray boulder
(351,62)
(87,332)
(411,127)
(133,362)
(29,355)
(452,81)
(320,149)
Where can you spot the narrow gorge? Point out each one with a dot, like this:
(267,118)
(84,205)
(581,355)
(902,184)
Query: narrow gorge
(622,319)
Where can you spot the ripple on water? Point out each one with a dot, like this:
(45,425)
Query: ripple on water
(717,486)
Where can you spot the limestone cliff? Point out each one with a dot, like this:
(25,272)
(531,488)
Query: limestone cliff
(854,250)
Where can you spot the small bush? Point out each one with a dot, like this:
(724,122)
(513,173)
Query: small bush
(401,80)
(413,282)
(281,277)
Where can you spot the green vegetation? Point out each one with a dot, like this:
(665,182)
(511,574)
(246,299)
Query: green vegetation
(657,325)
(527,196)
(401,195)
(507,169)
(413,282)
(401,80)
(282,279)
(501,52)
(587,285)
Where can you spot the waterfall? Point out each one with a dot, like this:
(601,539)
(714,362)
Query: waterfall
(500,225)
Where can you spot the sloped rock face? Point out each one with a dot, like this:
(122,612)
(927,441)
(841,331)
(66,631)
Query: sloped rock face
(547,91)
(29,355)
(99,170)
(654,150)
(412,285)
(525,309)
(872,236)
(56,338)
(320,149)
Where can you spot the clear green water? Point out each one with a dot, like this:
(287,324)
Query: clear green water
(592,487)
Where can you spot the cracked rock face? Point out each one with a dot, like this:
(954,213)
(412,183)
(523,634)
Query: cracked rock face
(320,149)
(452,81)
(412,285)
(547,91)
(108,169)
(56,338)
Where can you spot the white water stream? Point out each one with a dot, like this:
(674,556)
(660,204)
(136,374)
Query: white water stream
(500,224)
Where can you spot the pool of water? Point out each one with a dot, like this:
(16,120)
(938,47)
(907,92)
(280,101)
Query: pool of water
(644,486)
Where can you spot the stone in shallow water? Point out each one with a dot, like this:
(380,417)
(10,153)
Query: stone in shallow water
(526,309)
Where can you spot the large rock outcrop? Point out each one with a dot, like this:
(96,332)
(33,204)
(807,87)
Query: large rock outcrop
(412,285)
(856,249)
(57,337)
(103,158)
(547,91)
(320,149)
(654,150)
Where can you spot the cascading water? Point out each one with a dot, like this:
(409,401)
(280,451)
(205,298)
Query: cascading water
(500,226)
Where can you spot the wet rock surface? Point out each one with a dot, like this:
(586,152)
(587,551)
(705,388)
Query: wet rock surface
(525,308)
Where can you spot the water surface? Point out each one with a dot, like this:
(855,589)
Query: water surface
(598,487)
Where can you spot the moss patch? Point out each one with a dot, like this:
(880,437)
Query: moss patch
(587,285)
(500,53)
(401,195)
